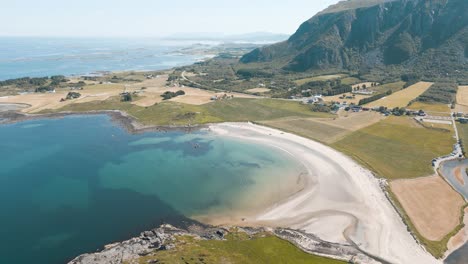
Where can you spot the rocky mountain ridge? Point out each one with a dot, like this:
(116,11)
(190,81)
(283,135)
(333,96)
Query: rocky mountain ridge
(418,35)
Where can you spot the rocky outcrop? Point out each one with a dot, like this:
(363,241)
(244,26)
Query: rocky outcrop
(161,238)
(314,245)
(164,238)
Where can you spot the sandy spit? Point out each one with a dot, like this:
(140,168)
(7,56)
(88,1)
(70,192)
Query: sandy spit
(342,202)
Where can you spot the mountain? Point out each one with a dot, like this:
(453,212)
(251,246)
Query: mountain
(254,37)
(429,36)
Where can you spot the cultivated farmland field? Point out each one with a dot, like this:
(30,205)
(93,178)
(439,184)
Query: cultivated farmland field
(402,98)
(350,80)
(394,87)
(432,205)
(258,90)
(435,108)
(319,78)
(462,99)
(336,98)
(462,95)
(463,132)
(397,147)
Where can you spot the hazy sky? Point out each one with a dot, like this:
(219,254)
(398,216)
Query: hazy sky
(153,17)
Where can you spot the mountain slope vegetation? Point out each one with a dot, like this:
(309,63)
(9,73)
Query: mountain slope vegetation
(426,37)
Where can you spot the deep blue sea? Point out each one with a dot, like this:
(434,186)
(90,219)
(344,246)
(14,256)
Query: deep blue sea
(38,57)
(71,185)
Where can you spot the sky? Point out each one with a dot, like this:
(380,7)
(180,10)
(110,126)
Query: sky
(153,18)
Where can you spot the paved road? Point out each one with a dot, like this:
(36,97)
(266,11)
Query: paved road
(457,150)
(455,128)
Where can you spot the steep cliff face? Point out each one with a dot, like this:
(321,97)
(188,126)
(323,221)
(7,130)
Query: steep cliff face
(400,32)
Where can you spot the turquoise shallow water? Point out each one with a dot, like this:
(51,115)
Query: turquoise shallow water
(69,186)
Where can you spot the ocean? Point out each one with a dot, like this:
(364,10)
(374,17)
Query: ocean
(39,57)
(71,185)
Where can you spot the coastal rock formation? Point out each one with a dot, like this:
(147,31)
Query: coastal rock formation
(164,238)
(161,238)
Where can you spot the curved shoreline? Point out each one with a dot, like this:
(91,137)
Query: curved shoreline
(337,190)
(121,118)
(336,184)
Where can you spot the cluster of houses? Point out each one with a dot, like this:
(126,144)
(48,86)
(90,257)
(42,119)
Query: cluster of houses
(385,111)
(151,76)
(335,106)
(312,100)
(461,117)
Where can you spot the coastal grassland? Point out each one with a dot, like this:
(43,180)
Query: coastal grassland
(308,128)
(319,78)
(173,113)
(397,147)
(259,109)
(403,97)
(237,248)
(436,248)
(325,130)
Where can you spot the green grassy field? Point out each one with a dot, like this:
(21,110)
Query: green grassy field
(172,113)
(308,128)
(463,134)
(237,248)
(395,86)
(463,131)
(436,108)
(397,147)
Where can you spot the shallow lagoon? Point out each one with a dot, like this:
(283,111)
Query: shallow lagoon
(447,169)
(70,185)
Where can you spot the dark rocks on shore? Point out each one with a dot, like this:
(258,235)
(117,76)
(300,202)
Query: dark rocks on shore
(164,238)
(161,238)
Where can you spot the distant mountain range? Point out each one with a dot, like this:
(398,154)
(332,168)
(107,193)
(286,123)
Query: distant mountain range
(254,37)
(428,36)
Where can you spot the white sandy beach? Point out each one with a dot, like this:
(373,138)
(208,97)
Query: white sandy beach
(342,202)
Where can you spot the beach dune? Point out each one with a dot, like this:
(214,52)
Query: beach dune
(341,201)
